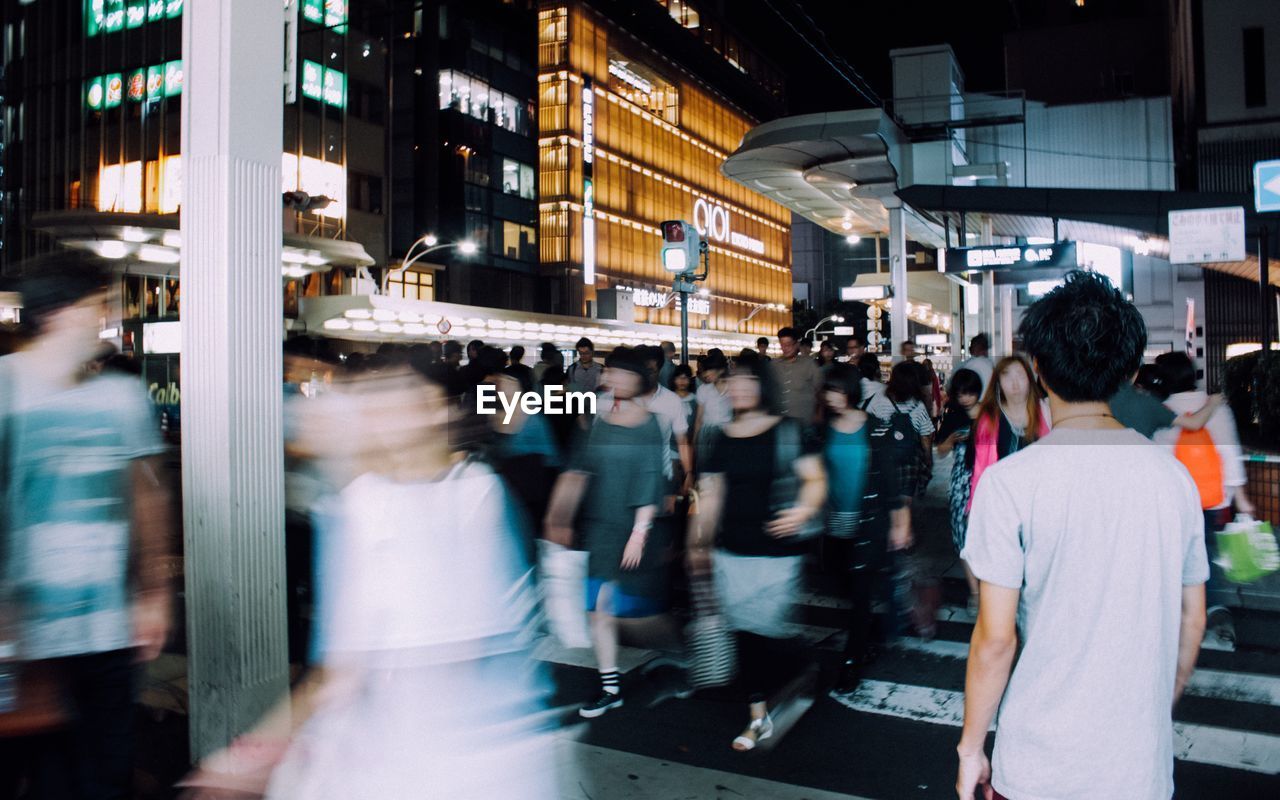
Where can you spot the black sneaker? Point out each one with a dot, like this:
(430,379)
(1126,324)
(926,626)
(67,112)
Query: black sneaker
(600,705)
(850,677)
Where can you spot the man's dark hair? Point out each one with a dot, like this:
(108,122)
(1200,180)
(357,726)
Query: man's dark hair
(652,356)
(979,342)
(489,361)
(789,333)
(852,339)
(452,348)
(517,354)
(1150,380)
(845,378)
(667,347)
(746,356)
(585,342)
(57,280)
(965,381)
(713,360)
(1084,338)
(1177,373)
(474,346)
(763,341)
(681,369)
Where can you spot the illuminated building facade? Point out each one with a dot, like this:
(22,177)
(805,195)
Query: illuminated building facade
(629,137)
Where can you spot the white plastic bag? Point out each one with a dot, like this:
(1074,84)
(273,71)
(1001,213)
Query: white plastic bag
(562,578)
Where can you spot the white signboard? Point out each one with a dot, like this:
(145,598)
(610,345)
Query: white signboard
(647,298)
(712,221)
(1205,235)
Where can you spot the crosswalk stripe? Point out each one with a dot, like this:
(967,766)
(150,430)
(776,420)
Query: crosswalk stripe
(1238,687)
(1202,744)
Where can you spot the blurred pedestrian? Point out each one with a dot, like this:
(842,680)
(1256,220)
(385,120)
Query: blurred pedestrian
(954,436)
(762,348)
(901,406)
(866,513)
(1089,549)
(797,378)
(614,487)
(714,409)
(1215,461)
(978,360)
(826,355)
(1010,419)
(762,488)
(584,374)
(521,372)
(667,371)
(682,383)
(855,349)
(86,536)
(548,356)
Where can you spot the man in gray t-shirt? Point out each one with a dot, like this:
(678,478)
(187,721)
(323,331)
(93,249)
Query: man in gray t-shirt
(1089,547)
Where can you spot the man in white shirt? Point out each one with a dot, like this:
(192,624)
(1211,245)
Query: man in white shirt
(978,360)
(1089,547)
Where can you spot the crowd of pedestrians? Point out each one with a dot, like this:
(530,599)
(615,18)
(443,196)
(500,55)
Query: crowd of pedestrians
(717,487)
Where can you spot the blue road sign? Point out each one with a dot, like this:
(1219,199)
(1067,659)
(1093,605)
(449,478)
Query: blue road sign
(1266,186)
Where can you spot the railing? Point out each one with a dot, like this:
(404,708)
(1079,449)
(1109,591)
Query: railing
(1264,486)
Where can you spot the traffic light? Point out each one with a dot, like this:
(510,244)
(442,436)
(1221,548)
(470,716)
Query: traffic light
(681,246)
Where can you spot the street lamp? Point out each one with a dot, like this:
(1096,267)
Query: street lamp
(430,245)
(814,329)
(758,309)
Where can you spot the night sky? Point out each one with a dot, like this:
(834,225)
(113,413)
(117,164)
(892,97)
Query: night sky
(862,32)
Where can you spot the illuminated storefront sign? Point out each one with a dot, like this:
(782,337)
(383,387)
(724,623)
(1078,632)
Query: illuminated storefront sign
(712,221)
(316,177)
(588,187)
(1040,256)
(322,83)
(647,298)
(110,16)
(150,84)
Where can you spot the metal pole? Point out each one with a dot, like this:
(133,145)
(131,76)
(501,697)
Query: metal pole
(1264,291)
(684,324)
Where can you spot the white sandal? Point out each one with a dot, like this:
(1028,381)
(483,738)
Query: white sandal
(760,729)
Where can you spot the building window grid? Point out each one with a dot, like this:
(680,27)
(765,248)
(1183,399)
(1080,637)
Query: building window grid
(412,285)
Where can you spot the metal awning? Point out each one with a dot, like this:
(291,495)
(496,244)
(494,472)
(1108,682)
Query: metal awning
(1131,219)
(151,244)
(836,169)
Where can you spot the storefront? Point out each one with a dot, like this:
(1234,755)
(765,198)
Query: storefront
(628,140)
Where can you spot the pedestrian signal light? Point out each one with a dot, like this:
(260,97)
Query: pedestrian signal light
(680,246)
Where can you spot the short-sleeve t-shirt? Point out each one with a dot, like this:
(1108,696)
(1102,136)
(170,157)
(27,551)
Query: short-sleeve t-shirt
(1099,531)
(883,408)
(748,467)
(68,512)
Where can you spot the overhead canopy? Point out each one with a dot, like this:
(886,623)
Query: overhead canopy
(151,243)
(1118,217)
(837,169)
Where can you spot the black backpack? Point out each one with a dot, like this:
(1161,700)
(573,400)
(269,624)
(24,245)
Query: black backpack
(902,434)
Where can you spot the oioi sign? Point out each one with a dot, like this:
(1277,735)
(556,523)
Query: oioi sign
(712,221)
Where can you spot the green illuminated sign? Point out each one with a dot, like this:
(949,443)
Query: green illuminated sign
(311,80)
(173,78)
(149,84)
(115,89)
(113,20)
(335,88)
(93,93)
(136,86)
(335,14)
(155,83)
(322,83)
(313,11)
(109,16)
(135,13)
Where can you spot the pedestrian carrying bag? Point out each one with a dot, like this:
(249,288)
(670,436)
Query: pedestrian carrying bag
(32,695)
(1247,550)
(712,649)
(562,577)
(1197,453)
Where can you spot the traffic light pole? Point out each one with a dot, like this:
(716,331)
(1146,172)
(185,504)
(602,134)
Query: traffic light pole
(683,286)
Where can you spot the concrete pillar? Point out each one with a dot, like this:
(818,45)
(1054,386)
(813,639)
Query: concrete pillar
(989,295)
(232,325)
(897,275)
(1007,299)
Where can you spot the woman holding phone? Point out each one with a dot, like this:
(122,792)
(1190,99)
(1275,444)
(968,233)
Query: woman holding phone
(965,392)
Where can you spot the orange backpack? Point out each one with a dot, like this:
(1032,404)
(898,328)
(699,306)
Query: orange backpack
(1196,452)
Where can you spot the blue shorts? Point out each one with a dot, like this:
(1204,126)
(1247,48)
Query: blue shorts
(624,606)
